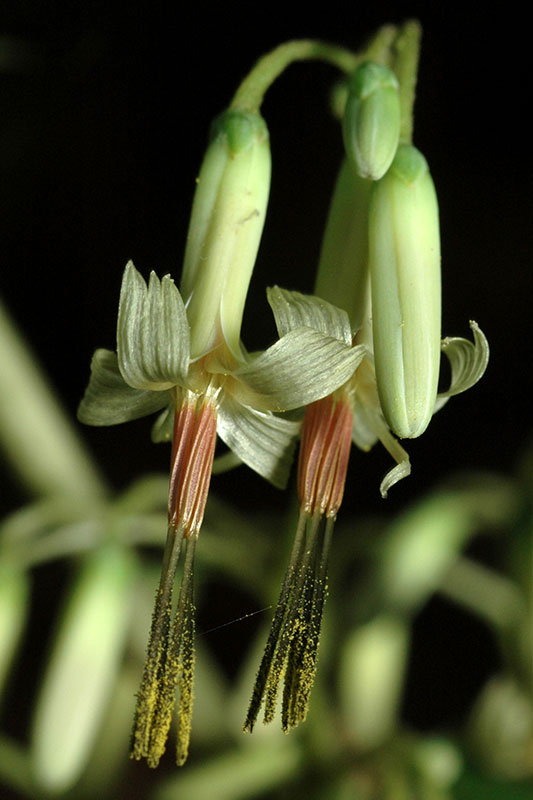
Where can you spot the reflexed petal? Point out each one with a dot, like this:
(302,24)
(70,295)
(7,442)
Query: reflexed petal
(468,360)
(369,426)
(109,400)
(152,332)
(294,310)
(402,470)
(397,452)
(261,440)
(301,367)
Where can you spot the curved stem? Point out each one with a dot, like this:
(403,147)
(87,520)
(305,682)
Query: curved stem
(251,92)
(405,65)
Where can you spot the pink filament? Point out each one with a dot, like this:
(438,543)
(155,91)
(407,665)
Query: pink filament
(193,448)
(324,454)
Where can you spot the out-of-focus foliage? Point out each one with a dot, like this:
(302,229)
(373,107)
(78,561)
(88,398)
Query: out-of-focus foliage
(357,741)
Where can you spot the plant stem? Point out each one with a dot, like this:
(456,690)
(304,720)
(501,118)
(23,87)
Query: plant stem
(405,65)
(251,92)
(34,431)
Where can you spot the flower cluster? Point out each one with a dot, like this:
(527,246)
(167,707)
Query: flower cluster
(360,358)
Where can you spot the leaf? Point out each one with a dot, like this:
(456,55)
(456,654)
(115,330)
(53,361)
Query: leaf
(261,440)
(153,340)
(301,367)
(468,360)
(294,310)
(108,399)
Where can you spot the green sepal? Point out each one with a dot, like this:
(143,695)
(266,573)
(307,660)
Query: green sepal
(301,367)
(468,361)
(108,399)
(263,441)
(294,310)
(153,342)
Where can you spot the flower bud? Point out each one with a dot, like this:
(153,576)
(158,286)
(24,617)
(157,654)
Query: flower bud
(225,230)
(342,277)
(404,255)
(371,121)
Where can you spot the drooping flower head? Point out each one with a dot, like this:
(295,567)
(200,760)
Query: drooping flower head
(380,261)
(186,359)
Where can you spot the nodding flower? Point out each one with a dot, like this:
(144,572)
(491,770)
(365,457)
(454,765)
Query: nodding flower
(380,262)
(184,358)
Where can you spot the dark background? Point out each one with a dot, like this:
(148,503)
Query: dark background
(105,113)
(105,110)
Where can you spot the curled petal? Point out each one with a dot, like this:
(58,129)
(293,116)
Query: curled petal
(468,360)
(369,426)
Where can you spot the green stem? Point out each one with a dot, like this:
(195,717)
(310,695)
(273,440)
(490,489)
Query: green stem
(491,596)
(34,431)
(405,65)
(379,48)
(251,92)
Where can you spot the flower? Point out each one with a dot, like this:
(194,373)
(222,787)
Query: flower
(187,359)
(355,411)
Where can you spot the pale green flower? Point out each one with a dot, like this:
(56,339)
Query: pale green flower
(380,262)
(351,413)
(186,360)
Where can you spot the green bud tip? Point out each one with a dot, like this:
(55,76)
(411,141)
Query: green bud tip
(371,121)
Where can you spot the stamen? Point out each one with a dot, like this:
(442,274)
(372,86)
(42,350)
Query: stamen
(292,647)
(193,449)
(266,665)
(170,659)
(324,454)
(144,744)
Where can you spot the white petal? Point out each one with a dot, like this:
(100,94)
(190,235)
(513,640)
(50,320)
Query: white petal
(109,400)
(294,310)
(301,367)
(152,332)
(468,360)
(261,440)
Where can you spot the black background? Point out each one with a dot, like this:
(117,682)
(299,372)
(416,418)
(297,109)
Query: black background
(105,110)
(105,117)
